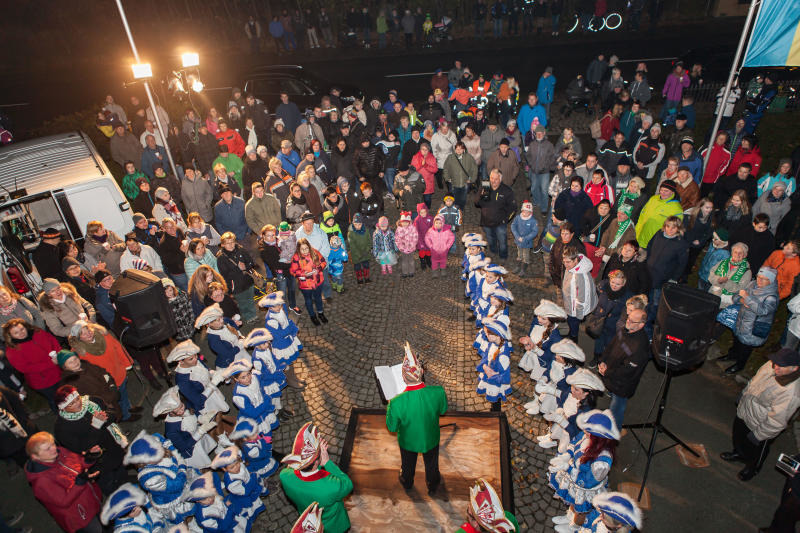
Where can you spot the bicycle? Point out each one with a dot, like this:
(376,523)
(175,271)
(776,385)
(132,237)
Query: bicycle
(611,21)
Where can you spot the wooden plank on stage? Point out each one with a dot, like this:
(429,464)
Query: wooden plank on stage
(472,445)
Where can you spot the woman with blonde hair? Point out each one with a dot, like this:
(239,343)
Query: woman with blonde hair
(199,283)
(737,213)
(223,178)
(13,305)
(278,180)
(200,229)
(235,264)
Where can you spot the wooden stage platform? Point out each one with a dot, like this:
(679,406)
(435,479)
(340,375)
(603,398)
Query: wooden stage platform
(472,445)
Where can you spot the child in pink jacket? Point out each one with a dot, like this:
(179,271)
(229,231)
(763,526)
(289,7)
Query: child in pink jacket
(423,223)
(439,239)
(406,239)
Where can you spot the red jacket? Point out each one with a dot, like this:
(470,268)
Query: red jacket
(427,168)
(752,156)
(717,163)
(599,191)
(33,360)
(72,503)
(303,266)
(608,124)
(233,140)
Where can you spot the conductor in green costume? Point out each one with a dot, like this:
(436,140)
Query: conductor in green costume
(312,477)
(414,415)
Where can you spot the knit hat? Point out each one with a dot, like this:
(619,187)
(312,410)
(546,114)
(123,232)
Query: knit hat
(169,401)
(245,427)
(138,217)
(527,206)
(405,216)
(158,165)
(121,502)
(668,184)
(688,139)
(76,327)
(721,234)
(479,264)
(284,226)
(257,336)
(421,206)
(412,369)
(567,348)
(309,521)
(63,356)
(624,161)
(144,449)
(785,357)
(100,275)
(551,310)
(305,448)
(209,314)
(140,180)
(586,379)
(183,350)
(50,284)
(261,148)
(358,218)
(770,273)
(781,184)
(599,423)
(68,262)
(620,507)
(505,142)
(226,457)
(487,509)
(65,395)
(50,233)
(540,129)
(279,122)
(272,299)
(249,149)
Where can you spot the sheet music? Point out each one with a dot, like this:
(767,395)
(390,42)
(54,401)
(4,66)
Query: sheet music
(390,380)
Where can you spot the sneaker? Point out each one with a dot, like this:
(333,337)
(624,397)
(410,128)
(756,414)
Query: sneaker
(14,520)
(295,310)
(558,520)
(538,249)
(546,442)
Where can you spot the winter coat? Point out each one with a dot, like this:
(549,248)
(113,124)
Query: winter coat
(775,208)
(490,141)
(461,170)
(666,258)
(317,239)
(359,243)
(636,274)
(427,168)
(752,156)
(228,266)
(198,196)
(406,238)
(557,257)
(574,206)
(727,185)
(766,405)
(409,199)
(423,224)
(730,286)
(766,182)
(674,86)
(92,380)
(372,209)
(253,172)
(527,115)
(258,212)
(59,317)
(125,148)
(289,161)
(541,156)
(439,241)
(788,269)
(368,162)
(653,215)
(230,217)
(31,358)
(524,231)
(649,152)
(473,146)
(110,255)
(307,132)
(443,145)
(689,194)
(599,191)
(308,275)
(383,242)
(545,89)
(506,164)
(113,359)
(758,306)
(626,358)
(72,501)
(640,90)
(192,263)
(579,293)
(760,245)
(717,164)
(13,443)
(609,155)
(27,311)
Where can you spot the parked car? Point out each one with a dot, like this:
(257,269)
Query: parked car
(304,88)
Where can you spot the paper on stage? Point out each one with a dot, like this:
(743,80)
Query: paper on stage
(390,380)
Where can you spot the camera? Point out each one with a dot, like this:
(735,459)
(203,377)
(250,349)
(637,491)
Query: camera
(486,188)
(788,464)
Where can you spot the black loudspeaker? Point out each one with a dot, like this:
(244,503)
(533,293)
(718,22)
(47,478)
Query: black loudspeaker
(683,328)
(142,308)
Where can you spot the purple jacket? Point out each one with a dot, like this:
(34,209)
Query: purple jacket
(673,87)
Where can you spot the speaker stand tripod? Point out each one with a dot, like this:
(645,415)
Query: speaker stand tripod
(657,427)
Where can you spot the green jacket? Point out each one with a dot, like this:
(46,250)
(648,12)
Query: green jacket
(653,215)
(511,518)
(233,163)
(359,245)
(328,487)
(258,212)
(414,415)
(129,187)
(455,175)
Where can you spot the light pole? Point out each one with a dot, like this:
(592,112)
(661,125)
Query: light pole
(144,72)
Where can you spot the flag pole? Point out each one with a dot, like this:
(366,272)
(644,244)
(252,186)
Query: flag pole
(736,59)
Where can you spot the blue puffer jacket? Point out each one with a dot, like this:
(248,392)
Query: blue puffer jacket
(230,217)
(336,261)
(527,230)
(546,89)
(712,257)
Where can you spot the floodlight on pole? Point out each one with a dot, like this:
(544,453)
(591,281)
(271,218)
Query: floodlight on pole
(157,119)
(142,71)
(190,59)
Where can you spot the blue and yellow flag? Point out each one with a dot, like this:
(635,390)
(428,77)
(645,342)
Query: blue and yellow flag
(775,41)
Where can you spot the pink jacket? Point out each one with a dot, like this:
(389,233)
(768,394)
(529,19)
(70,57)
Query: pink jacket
(440,241)
(427,168)
(423,224)
(406,238)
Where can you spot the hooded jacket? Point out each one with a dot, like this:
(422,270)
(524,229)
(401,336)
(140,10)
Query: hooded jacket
(439,241)
(766,405)
(406,238)
(758,306)
(774,208)
(580,295)
(752,156)
(359,243)
(259,212)
(198,196)
(666,258)
(31,358)
(230,217)
(653,215)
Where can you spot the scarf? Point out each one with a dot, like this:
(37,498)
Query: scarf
(724,268)
(97,346)
(88,406)
(771,198)
(733,213)
(788,378)
(621,228)
(9,422)
(5,311)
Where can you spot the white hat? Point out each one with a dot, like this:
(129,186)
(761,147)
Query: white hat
(478,264)
(600,423)
(237,367)
(586,379)
(310,521)
(620,507)
(477,241)
(226,457)
(567,348)
(497,269)
(273,298)
(209,314)
(261,148)
(469,236)
(245,427)
(548,309)
(204,486)
(183,350)
(76,327)
(249,149)
(503,294)
(498,328)
(256,337)
(305,447)
(169,401)
(412,369)
(144,449)
(121,502)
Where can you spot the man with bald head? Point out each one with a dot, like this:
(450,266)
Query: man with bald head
(624,360)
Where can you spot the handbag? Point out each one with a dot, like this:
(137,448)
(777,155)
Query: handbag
(595,323)
(595,129)
(728,316)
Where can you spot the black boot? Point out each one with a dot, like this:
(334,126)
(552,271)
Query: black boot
(428,261)
(322,317)
(314,320)
(422,264)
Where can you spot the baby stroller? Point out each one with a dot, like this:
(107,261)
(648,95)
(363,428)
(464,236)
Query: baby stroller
(441,30)
(348,38)
(579,97)
(262,286)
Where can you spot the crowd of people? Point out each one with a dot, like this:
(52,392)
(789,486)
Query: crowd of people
(291,197)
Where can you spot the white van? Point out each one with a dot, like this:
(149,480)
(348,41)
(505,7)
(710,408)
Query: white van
(57,182)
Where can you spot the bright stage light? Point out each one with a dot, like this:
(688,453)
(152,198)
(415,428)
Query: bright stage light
(190,59)
(142,70)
